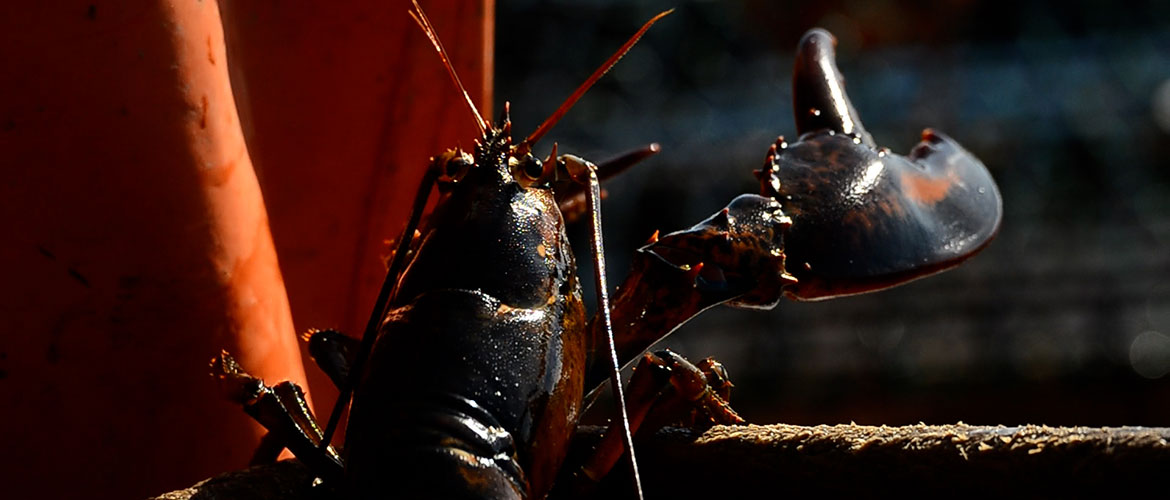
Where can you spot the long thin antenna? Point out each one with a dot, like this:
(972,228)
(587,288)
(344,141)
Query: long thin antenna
(420,17)
(586,173)
(552,120)
(385,295)
(594,200)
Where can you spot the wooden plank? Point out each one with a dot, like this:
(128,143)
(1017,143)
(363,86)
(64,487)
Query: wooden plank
(775,461)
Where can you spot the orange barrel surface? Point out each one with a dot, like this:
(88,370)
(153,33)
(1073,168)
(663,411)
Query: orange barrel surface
(138,241)
(343,104)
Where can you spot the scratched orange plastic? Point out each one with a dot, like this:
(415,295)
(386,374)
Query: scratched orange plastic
(137,242)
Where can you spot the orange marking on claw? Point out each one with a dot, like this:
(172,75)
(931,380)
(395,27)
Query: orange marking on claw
(925,190)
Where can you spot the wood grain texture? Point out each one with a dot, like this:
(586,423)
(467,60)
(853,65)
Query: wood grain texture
(777,461)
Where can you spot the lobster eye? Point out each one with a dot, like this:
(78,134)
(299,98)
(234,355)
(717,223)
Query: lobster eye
(453,166)
(528,170)
(533,168)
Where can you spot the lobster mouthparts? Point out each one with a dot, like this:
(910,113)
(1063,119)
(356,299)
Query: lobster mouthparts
(863,218)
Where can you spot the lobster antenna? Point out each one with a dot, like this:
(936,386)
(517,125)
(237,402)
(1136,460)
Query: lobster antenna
(552,120)
(380,304)
(420,17)
(593,201)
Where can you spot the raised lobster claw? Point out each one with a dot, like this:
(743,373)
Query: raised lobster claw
(864,218)
(838,216)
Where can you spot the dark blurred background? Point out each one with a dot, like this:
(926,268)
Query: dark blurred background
(1063,320)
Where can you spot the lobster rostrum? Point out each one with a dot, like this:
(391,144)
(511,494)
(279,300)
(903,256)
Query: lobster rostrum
(493,419)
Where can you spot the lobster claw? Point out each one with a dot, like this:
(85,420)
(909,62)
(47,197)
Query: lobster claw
(863,218)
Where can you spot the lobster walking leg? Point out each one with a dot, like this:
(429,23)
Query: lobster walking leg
(333,352)
(269,450)
(697,395)
(665,389)
(282,410)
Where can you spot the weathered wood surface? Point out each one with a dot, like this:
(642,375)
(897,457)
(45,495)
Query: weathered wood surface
(953,460)
(775,461)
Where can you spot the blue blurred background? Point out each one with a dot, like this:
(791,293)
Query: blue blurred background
(1063,320)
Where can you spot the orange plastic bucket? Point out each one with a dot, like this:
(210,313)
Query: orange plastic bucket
(137,240)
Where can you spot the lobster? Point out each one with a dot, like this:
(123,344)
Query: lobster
(519,358)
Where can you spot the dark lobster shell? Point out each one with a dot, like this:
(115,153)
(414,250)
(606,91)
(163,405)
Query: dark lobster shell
(864,218)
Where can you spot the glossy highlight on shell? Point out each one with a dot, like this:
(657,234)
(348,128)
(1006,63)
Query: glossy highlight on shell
(865,218)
